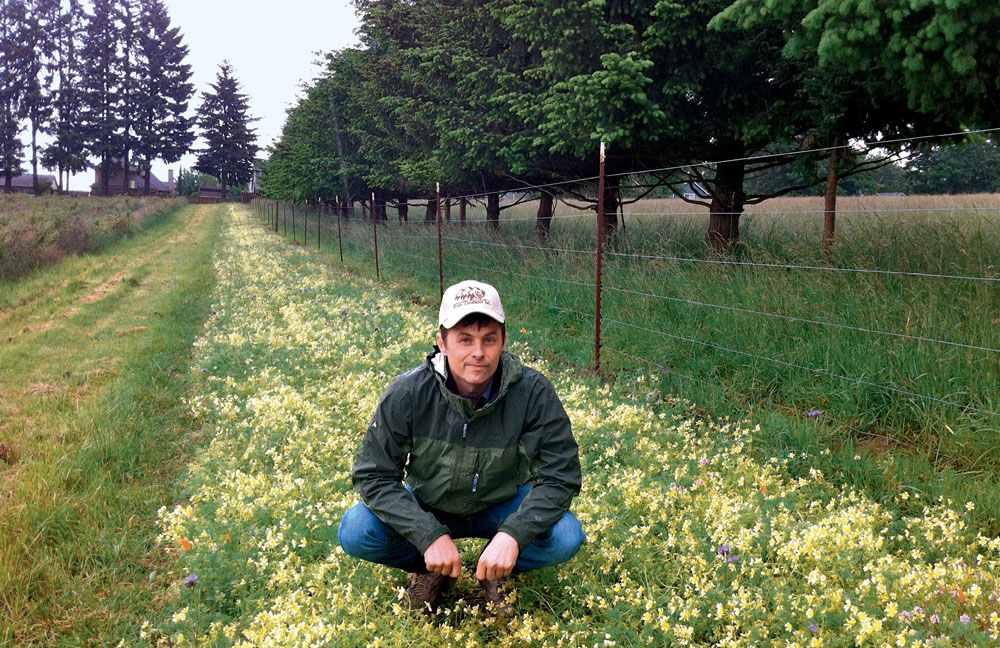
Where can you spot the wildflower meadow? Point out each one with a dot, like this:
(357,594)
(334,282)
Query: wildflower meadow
(692,539)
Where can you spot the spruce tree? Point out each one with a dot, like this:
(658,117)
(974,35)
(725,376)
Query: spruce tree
(127,15)
(100,88)
(230,143)
(164,91)
(11,91)
(66,153)
(36,70)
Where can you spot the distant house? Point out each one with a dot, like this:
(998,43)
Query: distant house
(47,184)
(136,181)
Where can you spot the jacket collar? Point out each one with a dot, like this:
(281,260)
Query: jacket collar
(510,372)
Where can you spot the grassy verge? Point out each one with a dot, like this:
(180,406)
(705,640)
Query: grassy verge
(36,231)
(881,440)
(94,368)
(691,539)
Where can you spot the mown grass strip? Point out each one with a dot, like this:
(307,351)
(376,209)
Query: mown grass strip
(94,407)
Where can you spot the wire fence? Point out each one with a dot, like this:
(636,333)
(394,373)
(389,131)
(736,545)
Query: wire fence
(900,327)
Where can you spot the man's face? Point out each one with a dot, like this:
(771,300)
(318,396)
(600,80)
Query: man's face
(473,352)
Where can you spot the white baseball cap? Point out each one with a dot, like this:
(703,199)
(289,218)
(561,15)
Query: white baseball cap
(469,297)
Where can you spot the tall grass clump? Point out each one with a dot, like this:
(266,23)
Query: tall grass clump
(36,231)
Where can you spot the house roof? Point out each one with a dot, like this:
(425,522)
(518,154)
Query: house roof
(25,180)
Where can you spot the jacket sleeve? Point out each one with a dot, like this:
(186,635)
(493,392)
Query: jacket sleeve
(378,471)
(557,456)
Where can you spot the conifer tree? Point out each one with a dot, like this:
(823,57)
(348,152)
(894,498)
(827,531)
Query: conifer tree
(230,143)
(35,68)
(101,88)
(11,91)
(162,129)
(66,152)
(126,13)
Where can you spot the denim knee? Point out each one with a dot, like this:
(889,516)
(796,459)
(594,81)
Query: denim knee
(566,537)
(354,531)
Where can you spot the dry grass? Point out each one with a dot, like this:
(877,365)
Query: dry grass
(36,231)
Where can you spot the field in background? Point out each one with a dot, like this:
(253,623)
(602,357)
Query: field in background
(36,231)
(875,345)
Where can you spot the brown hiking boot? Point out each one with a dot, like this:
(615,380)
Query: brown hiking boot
(496,598)
(425,590)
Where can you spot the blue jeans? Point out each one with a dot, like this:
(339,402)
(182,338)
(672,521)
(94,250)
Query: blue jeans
(364,536)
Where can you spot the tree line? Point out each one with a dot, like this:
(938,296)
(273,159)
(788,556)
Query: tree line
(110,83)
(498,95)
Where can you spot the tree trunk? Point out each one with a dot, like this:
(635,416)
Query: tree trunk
(462,204)
(430,216)
(106,180)
(404,210)
(611,205)
(493,210)
(447,210)
(727,205)
(830,200)
(149,172)
(34,159)
(125,171)
(543,217)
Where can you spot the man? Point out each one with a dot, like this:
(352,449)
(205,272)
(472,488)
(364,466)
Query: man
(486,450)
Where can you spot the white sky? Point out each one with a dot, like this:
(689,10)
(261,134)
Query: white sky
(272,46)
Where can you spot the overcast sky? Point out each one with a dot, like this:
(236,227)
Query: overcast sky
(273,47)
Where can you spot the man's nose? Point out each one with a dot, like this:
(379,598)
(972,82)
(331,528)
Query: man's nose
(478,349)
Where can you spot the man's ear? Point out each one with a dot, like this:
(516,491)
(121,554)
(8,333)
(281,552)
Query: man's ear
(440,343)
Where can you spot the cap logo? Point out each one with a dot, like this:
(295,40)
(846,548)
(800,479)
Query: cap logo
(470,295)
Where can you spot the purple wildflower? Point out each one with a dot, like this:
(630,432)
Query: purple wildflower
(732,559)
(813,628)
(704,461)
(965,618)
(813,413)
(724,550)
(935,619)
(906,615)
(191,580)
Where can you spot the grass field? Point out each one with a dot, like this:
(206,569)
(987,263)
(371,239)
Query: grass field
(36,231)
(693,539)
(93,368)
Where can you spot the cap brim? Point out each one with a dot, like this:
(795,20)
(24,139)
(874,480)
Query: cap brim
(456,315)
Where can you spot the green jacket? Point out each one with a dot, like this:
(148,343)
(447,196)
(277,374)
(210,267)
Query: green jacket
(461,460)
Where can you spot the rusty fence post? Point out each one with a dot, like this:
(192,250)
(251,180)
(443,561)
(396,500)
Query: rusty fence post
(371,214)
(599,264)
(340,240)
(440,241)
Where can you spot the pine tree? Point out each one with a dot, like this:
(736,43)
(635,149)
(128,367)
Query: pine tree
(12,13)
(162,129)
(35,40)
(127,15)
(231,145)
(66,152)
(100,88)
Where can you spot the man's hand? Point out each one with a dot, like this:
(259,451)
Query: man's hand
(498,558)
(442,557)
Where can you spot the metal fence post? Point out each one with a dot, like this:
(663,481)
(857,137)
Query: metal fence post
(440,246)
(340,240)
(371,214)
(599,264)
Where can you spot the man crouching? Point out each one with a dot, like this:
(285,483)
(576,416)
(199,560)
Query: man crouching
(486,451)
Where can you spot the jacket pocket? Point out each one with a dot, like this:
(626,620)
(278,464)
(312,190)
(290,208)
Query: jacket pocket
(497,474)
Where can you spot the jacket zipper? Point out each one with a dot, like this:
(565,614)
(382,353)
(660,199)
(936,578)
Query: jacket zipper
(475,478)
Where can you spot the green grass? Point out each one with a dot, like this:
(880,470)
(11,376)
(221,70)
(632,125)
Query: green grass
(738,363)
(92,376)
